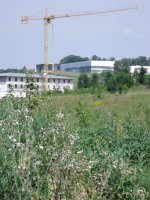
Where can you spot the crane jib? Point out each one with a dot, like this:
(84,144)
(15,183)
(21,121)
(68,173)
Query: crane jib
(47,19)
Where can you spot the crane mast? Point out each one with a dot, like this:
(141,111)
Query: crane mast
(45,77)
(47,20)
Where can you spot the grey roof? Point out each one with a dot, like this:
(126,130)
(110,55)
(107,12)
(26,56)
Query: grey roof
(32,75)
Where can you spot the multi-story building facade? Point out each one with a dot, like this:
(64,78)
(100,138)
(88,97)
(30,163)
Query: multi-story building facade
(17,81)
(51,67)
(91,66)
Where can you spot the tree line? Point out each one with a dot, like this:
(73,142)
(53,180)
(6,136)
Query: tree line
(75,58)
(124,62)
(119,81)
(119,64)
(13,70)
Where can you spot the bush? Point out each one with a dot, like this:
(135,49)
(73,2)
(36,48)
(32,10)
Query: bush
(120,82)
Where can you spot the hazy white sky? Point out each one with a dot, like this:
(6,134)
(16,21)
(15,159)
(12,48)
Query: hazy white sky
(121,34)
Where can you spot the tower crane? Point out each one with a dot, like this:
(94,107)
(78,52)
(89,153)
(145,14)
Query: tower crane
(48,19)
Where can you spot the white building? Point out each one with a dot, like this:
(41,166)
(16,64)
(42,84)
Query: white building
(18,82)
(102,66)
(93,66)
(138,67)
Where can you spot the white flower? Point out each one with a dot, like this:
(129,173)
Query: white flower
(37,162)
(79,152)
(60,115)
(10,137)
(41,147)
(14,140)
(19,144)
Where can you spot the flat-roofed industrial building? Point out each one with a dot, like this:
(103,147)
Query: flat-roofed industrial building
(92,66)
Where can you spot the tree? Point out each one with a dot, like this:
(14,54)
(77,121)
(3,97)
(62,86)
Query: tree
(120,81)
(112,59)
(148,81)
(141,75)
(24,69)
(10,90)
(95,57)
(142,60)
(31,87)
(72,59)
(122,65)
(148,61)
(31,92)
(83,81)
(94,79)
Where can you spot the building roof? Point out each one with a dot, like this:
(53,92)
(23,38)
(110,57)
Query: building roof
(32,75)
(102,63)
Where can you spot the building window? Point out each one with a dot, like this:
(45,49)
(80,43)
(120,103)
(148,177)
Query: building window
(16,79)
(48,80)
(54,80)
(15,85)
(68,81)
(58,80)
(21,79)
(64,81)
(9,78)
(21,86)
(37,79)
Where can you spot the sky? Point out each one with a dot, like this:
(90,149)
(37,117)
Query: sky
(119,34)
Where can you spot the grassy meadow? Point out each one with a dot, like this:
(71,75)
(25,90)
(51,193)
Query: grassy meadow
(76,147)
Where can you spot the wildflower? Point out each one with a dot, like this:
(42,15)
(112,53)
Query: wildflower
(79,152)
(16,123)
(14,140)
(60,115)
(10,137)
(98,103)
(26,110)
(41,147)
(37,162)
(19,144)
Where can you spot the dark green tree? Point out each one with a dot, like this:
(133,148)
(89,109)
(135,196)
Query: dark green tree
(120,81)
(94,80)
(148,61)
(72,59)
(83,81)
(122,65)
(148,81)
(112,59)
(142,60)
(142,75)
(95,57)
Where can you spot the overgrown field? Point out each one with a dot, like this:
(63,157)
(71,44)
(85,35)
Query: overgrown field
(76,147)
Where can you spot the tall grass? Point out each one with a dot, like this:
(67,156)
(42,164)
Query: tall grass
(75,147)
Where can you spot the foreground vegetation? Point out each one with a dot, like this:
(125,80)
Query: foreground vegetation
(76,147)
